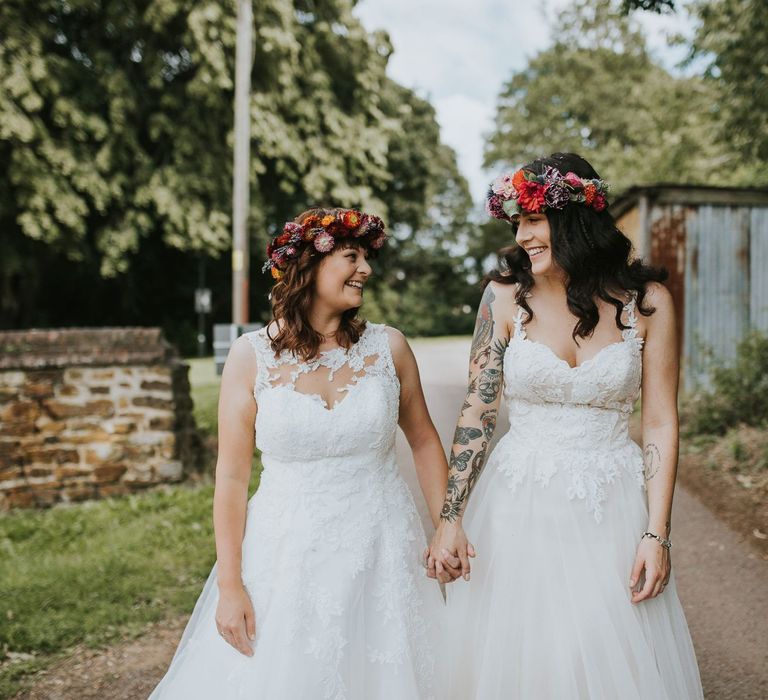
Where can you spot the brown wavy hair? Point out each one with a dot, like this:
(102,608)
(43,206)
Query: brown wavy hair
(292,297)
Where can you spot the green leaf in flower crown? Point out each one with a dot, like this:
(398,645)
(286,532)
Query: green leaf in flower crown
(509,207)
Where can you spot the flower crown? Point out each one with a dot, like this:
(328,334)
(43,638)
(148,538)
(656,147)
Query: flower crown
(322,232)
(524,190)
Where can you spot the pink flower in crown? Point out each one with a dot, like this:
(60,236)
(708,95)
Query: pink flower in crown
(494,207)
(291,252)
(573,180)
(599,202)
(556,197)
(378,242)
(292,228)
(324,242)
(503,186)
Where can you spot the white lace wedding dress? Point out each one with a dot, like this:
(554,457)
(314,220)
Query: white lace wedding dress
(332,547)
(556,517)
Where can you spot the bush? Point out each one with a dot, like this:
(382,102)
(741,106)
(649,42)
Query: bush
(738,393)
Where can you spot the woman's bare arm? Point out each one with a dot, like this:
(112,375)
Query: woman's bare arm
(237,413)
(660,440)
(416,423)
(476,424)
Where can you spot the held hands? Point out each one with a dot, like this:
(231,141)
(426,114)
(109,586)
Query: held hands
(235,619)
(651,571)
(448,555)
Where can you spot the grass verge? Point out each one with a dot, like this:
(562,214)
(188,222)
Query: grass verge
(94,572)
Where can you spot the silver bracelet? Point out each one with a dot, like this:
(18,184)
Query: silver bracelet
(664,543)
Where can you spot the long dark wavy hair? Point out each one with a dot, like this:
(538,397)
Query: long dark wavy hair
(594,254)
(292,297)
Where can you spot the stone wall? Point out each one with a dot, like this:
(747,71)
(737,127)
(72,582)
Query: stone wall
(86,413)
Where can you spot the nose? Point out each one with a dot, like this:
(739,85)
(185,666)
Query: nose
(522,234)
(364,267)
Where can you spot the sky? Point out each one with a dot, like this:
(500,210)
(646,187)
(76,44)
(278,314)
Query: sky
(458,54)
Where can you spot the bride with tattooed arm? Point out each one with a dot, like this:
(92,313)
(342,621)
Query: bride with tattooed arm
(572,580)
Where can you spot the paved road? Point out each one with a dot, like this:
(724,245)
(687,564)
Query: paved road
(722,582)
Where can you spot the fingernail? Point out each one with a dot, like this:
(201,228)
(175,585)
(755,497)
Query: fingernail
(466,577)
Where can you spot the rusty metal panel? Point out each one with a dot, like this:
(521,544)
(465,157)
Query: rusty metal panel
(758,254)
(668,236)
(717,283)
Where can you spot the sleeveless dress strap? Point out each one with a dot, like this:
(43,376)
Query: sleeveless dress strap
(264,358)
(519,321)
(379,346)
(630,308)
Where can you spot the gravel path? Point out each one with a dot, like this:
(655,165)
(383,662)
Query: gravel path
(722,582)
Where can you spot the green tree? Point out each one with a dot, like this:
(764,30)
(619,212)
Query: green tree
(598,92)
(115,128)
(732,38)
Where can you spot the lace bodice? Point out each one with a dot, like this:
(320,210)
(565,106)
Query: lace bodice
(573,420)
(294,422)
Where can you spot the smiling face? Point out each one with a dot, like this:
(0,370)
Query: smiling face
(341,276)
(533,235)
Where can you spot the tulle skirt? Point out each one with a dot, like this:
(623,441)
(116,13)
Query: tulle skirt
(547,612)
(343,609)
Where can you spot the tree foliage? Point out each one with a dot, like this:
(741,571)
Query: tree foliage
(116,131)
(732,37)
(597,91)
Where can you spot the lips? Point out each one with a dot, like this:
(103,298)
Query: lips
(355,284)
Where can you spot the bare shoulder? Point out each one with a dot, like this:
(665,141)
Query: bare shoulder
(502,298)
(241,360)
(505,292)
(658,297)
(398,343)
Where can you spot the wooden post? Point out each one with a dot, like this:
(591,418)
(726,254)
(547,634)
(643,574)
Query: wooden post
(244,62)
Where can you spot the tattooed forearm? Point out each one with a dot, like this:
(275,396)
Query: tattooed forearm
(477,421)
(489,385)
(651,461)
(477,466)
(460,461)
(472,389)
(462,436)
(499,348)
(488,422)
(481,341)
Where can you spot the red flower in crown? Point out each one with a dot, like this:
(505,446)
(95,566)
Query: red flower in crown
(589,193)
(530,196)
(351,219)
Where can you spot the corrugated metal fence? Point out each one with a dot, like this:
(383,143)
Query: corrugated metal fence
(722,287)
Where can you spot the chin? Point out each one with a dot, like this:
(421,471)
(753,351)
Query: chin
(541,267)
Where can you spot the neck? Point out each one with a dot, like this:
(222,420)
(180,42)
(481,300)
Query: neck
(552,283)
(324,321)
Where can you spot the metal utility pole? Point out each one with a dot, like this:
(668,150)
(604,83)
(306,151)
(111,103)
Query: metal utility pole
(244,62)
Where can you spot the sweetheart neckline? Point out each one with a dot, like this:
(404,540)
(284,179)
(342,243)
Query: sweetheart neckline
(585,363)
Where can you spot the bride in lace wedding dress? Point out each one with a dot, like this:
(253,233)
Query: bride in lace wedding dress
(571,594)
(318,591)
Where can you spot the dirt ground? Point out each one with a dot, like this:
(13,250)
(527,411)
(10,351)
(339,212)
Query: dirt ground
(128,670)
